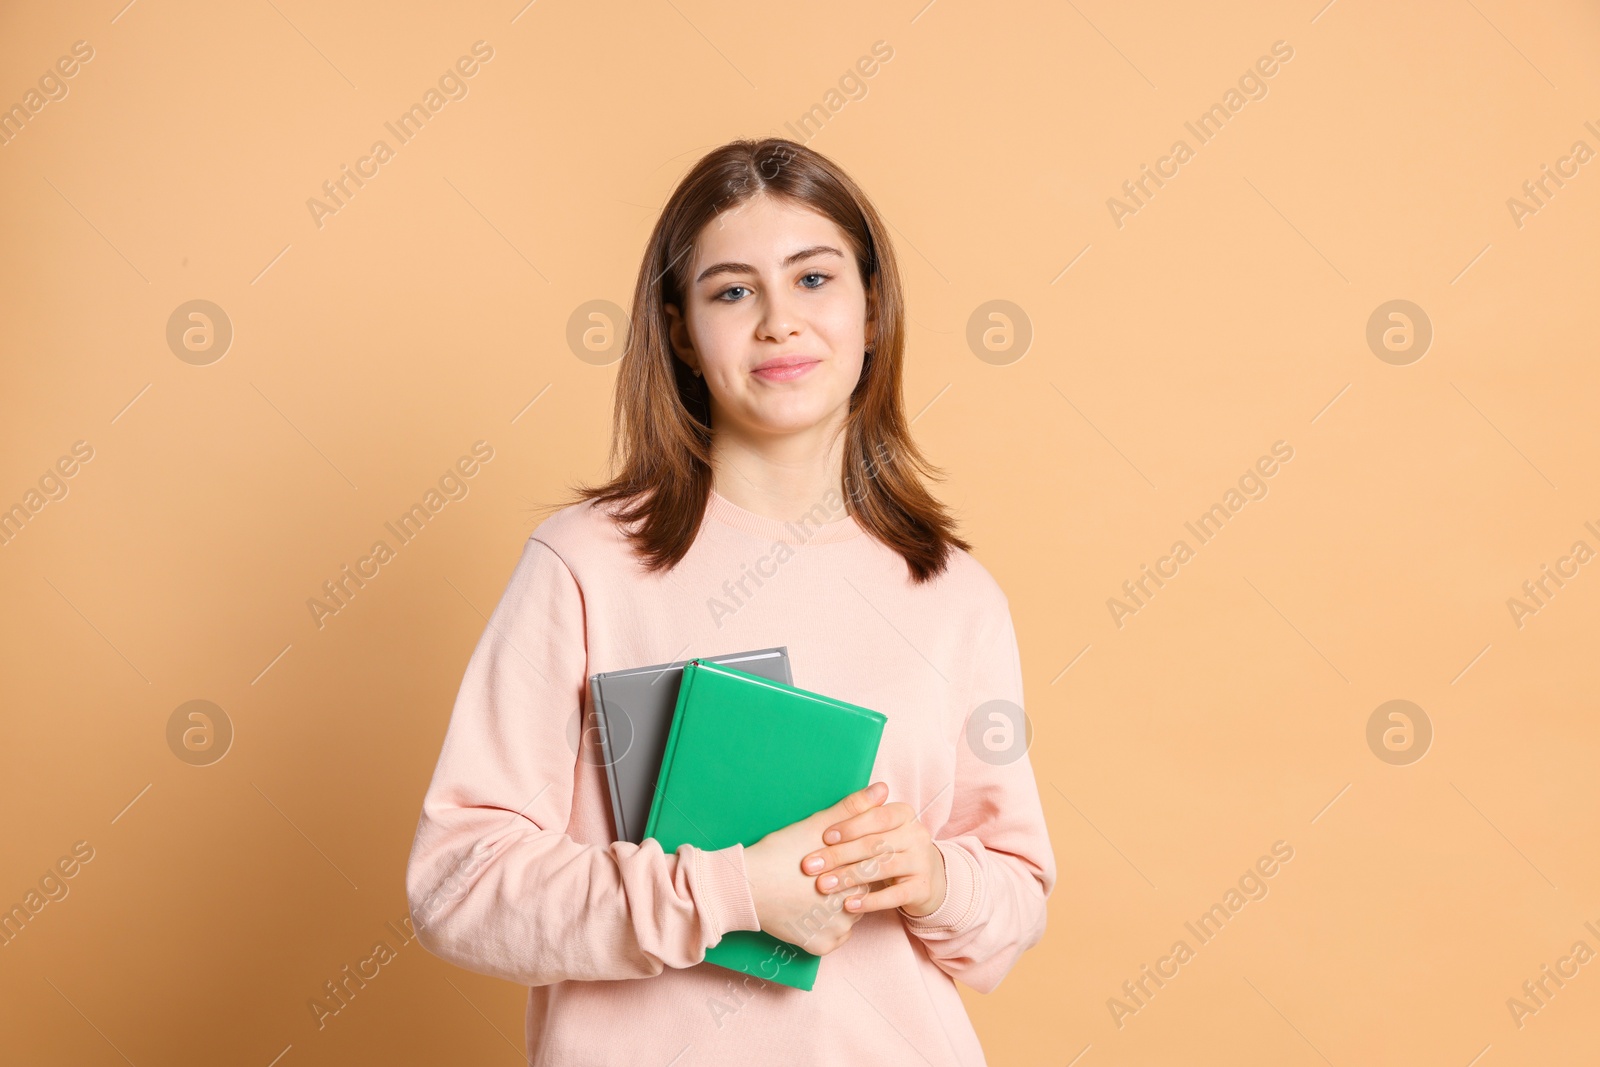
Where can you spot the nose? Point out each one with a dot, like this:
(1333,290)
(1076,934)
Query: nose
(780,315)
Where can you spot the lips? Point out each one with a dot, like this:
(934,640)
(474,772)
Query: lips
(784,361)
(784,368)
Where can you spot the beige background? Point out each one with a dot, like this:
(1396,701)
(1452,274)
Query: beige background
(1228,313)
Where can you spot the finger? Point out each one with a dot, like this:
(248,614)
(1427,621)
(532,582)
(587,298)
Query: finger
(901,832)
(879,867)
(899,893)
(835,856)
(872,821)
(856,803)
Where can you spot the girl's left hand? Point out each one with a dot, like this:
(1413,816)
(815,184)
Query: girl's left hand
(885,844)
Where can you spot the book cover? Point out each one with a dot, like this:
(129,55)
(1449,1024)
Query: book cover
(746,756)
(632,712)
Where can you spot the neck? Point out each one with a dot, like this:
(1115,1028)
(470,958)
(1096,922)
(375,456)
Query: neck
(780,476)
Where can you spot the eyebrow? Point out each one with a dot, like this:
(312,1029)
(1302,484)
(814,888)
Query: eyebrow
(745,268)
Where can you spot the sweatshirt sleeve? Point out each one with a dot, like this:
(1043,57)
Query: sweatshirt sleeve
(998,863)
(494,882)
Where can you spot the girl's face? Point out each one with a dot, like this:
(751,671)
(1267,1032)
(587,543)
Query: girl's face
(775,318)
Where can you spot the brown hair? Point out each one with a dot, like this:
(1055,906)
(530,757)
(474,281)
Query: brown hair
(661,434)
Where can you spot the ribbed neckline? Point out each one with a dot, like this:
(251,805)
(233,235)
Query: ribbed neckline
(800,532)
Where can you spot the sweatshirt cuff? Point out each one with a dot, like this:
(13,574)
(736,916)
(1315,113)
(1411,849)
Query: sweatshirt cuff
(722,889)
(960,892)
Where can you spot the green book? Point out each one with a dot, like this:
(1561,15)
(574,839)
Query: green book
(746,756)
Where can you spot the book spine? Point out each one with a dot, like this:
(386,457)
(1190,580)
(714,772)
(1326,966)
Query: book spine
(597,708)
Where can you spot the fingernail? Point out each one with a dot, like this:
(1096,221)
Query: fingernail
(829,881)
(853,903)
(814,863)
(831,837)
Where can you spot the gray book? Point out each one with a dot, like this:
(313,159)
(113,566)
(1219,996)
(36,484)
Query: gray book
(633,713)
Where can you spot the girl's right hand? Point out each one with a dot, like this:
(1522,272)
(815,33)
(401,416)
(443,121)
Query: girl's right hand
(787,901)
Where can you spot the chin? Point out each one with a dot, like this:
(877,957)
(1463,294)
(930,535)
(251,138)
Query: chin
(794,417)
(786,427)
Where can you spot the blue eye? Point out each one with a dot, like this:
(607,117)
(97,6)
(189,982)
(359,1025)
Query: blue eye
(723,296)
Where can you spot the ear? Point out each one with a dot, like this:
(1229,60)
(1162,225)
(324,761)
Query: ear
(678,336)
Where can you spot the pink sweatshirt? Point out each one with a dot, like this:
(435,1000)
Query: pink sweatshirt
(514,871)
